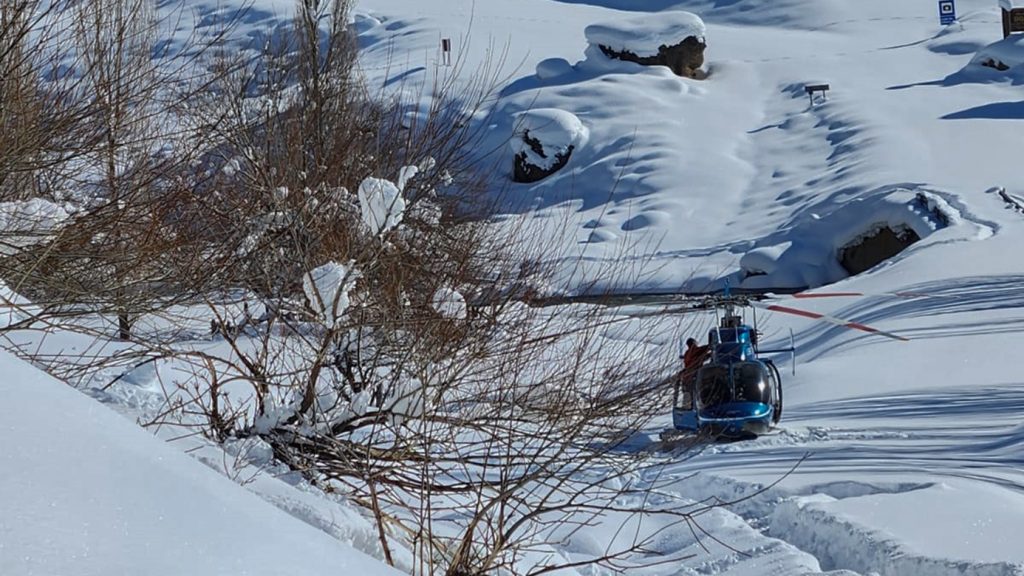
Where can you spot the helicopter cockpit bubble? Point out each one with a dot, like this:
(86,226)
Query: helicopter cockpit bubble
(750,383)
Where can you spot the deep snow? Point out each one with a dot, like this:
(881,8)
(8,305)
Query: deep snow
(915,450)
(86,492)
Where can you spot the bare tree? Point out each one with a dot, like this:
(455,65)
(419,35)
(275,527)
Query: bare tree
(397,361)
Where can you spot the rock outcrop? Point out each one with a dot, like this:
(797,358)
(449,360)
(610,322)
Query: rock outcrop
(684,59)
(675,39)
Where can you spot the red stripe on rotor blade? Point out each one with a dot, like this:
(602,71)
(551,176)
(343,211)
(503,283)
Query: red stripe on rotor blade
(866,328)
(836,321)
(804,313)
(826,294)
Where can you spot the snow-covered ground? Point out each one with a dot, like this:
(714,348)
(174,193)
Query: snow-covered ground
(86,492)
(892,458)
(914,450)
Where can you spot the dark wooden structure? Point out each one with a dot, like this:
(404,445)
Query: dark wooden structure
(1013,16)
(446,51)
(812,88)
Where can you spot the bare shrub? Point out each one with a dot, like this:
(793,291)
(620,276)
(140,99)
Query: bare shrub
(364,320)
(111,149)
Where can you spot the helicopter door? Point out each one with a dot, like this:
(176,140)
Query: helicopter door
(713,385)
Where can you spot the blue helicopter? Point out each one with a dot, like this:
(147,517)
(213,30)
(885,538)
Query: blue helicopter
(738,393)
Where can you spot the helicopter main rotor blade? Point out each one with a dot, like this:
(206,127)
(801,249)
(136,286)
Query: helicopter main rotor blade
(832,320)
(809,295)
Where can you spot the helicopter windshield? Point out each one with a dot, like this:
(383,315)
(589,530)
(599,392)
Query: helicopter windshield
(750,382)
(713,385)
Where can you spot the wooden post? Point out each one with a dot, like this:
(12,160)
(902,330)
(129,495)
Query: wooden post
(446,51)
(1006,23)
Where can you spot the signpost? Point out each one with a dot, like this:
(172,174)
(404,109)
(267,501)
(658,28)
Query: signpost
(1017,20)
(446,51)
(1013,16)
(947,12)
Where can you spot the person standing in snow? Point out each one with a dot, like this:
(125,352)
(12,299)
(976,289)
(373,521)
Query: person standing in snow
(693,358)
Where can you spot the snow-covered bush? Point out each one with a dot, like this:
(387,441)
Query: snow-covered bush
(341,339)
(449,303)
(381,203)
(28,223)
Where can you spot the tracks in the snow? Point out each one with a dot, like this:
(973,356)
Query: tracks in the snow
(807,515)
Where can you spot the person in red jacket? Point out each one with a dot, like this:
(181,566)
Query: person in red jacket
(695,356)
(693,359)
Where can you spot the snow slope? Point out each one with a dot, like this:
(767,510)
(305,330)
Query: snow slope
(893,458)
(84,491)
(915,451)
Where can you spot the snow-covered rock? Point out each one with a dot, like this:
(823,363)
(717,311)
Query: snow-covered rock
(1005,55)
(643,35)
(543,141)
(827,248)
(673,38)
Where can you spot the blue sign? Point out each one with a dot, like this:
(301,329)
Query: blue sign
(947,12)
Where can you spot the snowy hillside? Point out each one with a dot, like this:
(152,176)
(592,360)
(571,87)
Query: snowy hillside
(85,491)
(892,458)
(914,450)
